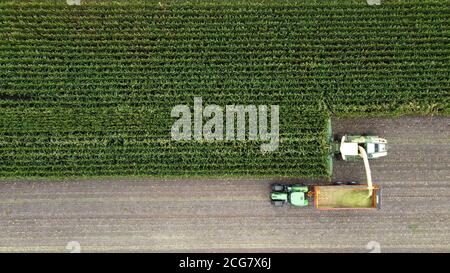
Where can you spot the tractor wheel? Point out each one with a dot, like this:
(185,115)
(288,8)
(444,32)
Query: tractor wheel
(277,187)
(277,203)
(369,133)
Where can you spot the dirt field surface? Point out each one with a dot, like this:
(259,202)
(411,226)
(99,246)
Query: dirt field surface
(236,215)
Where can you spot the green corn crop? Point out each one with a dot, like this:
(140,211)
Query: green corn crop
(87,90)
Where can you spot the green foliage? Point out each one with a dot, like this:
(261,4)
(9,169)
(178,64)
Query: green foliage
(87,90)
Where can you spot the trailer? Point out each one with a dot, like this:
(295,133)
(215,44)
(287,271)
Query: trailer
(346,197)
(349,195)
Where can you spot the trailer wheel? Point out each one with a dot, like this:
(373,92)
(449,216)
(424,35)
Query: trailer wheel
(353,183)
(338,183)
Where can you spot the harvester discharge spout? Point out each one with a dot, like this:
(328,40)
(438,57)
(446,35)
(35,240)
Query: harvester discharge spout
(363,154)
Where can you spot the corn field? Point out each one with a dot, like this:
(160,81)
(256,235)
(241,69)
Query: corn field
(88,90)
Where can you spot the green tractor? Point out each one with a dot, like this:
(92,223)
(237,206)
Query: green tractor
(348,147)
(296,195)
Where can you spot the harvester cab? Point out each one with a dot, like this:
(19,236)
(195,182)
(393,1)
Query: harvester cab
(348,147)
